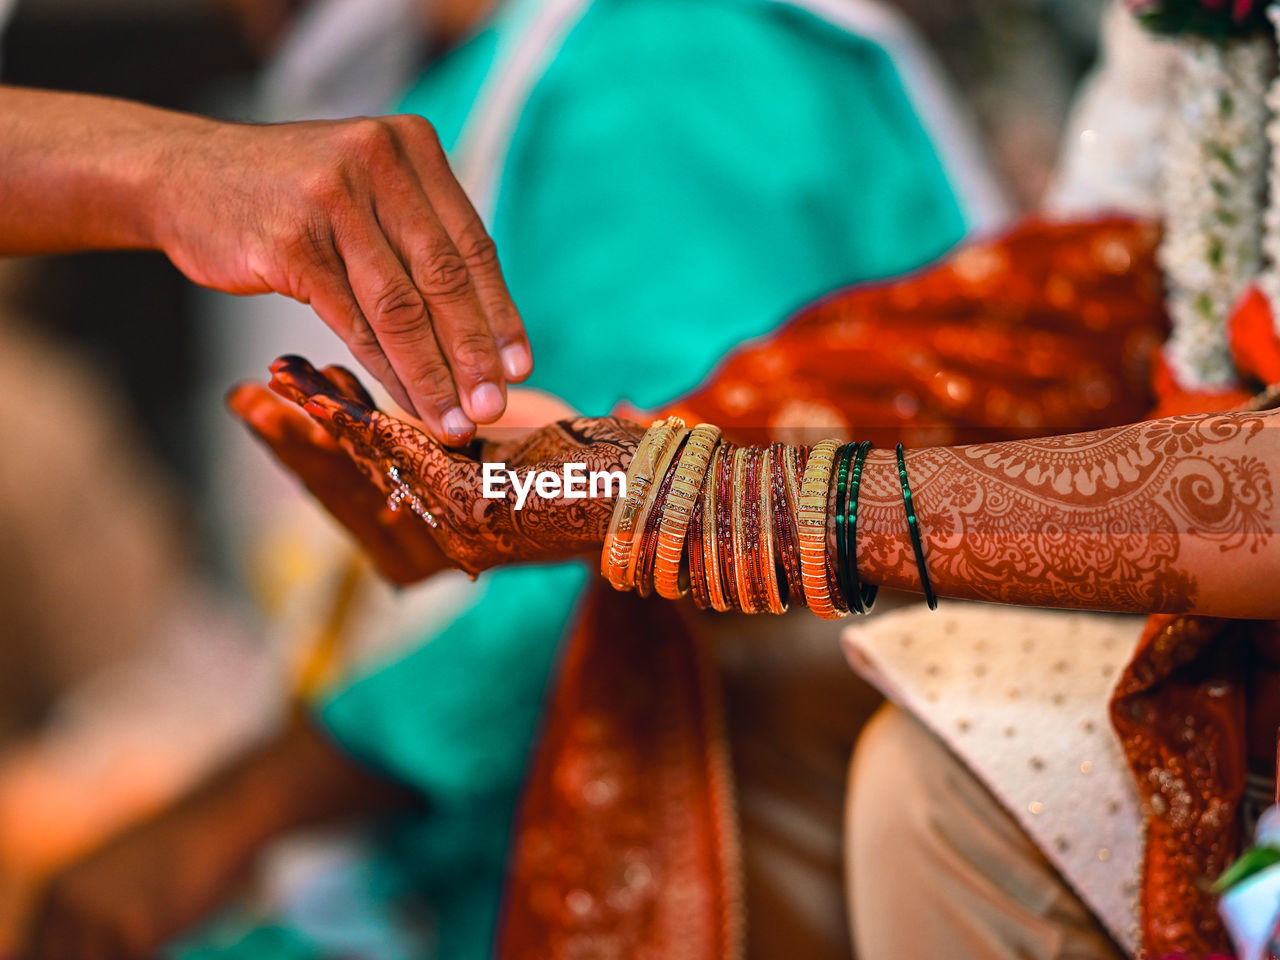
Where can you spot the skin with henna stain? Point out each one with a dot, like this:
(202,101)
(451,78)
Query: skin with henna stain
(1170,515)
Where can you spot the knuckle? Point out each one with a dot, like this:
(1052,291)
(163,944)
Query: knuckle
(473,351)
(371,138)
(398,310)
(478,249)
(445,276)
(328,187)
(362,340)
(418,127)
(432,380)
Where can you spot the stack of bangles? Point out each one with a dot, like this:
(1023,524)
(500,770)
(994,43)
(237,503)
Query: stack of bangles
(745,528)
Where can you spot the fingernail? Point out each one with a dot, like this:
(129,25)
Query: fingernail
(487,402)
(457,426)
(516,362)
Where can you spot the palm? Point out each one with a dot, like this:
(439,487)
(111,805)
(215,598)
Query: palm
(444,489)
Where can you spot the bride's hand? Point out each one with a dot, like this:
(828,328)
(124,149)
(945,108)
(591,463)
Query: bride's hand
(399,544)
(446,488)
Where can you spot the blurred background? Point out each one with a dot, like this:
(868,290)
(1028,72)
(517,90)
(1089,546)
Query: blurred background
(142,635)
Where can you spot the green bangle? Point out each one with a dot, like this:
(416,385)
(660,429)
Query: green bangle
(913,527)
(864,592)
(843,456)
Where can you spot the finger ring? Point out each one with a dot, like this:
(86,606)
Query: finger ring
(424,513)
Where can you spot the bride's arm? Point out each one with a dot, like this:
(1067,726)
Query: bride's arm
(1170,515)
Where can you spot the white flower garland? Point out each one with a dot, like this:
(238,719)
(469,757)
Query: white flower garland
(1269,282)
(1214,172)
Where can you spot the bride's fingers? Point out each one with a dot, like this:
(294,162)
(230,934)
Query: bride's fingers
(350,384)
(276,421)
(294,378)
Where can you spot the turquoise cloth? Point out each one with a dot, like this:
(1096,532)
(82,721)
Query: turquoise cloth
(684,175)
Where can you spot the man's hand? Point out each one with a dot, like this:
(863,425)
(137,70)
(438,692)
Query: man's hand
(362,219)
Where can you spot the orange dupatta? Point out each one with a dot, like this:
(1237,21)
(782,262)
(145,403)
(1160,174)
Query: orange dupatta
(625,843)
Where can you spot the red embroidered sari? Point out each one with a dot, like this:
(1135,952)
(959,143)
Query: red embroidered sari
(626,843)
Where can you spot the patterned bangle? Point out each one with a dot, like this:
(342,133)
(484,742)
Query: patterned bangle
(712,566)
(696,550)
(690,471)
(724,527)
(645,512)
(768,559)
(811,527)
(648,544)
(786,496)
(913,527)
(753,514)
(616,556)
(844,458)
(863,593)
(742,558)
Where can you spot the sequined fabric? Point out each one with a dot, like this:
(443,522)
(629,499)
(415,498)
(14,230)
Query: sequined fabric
(1051,328)
(625,844)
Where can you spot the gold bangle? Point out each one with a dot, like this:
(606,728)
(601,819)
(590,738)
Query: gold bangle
(691,470)
(768,564)
(811,526)
(633,572)
(710,535)
(616,555)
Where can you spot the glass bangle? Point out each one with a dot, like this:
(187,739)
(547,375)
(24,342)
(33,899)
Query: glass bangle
(913,527)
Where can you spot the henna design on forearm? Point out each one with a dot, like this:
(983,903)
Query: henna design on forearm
(1096,520)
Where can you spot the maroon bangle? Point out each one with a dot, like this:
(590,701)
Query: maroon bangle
(693,546)
(785,495)
(724,525)
(755,601)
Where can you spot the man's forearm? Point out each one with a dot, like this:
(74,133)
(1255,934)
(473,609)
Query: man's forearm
(1166,516)
(81,172)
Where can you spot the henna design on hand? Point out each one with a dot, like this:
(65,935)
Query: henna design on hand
(474,532)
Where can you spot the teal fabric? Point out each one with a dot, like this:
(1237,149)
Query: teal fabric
(685,174)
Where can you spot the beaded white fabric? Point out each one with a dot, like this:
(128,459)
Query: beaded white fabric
(1021,696)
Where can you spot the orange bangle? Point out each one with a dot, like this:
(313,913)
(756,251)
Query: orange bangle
(690,471)
(618,544)
(811,527)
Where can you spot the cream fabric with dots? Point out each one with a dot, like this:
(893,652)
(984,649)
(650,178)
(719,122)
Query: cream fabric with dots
(1022,697)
